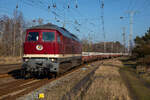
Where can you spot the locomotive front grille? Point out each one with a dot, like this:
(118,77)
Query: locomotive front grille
(37,64)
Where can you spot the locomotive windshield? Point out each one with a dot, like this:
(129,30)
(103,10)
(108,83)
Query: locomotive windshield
(48,36)
(33,36)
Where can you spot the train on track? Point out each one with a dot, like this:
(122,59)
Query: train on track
(52,49)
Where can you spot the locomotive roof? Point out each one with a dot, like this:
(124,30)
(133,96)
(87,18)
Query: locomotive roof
(62,30)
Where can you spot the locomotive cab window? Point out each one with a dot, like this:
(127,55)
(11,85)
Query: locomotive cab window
(48,36)
(33,36)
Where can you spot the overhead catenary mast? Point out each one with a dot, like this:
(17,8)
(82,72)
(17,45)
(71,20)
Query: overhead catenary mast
(14,37)
(130,44)
(102,20)
(124,40)
(123,36)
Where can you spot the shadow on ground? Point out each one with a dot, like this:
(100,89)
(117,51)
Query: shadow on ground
(129,62)
(18,75)
(138,87)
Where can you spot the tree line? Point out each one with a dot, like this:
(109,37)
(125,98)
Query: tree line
(111,47)
(12,33)
(141,51)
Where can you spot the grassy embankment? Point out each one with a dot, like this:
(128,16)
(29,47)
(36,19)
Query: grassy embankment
(138,86)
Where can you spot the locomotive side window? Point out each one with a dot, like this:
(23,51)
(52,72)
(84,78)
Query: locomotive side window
(33,36)
(58,38)
(48,36)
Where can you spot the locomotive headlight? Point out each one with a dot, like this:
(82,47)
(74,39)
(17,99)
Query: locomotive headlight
(26,60)
(53,60)
(39,47)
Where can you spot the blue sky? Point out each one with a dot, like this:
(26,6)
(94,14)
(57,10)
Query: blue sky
(87,15)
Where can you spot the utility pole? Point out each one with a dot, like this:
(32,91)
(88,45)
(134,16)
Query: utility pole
(21,33)
(90,42)
(3,29)
(64,23)
(14,46)
(124,40)
(124,37)
(112,47)
(130,45)
(102,18)
(14,35)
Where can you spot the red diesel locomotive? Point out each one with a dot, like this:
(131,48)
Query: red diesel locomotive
(50,49)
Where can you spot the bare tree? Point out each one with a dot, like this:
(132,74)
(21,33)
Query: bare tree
(11,37)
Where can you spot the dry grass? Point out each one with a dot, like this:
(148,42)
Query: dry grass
(108,84)
(10,60)
(114,62)
(67,89)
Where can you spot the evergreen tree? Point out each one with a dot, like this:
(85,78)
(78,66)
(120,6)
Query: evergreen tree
(142,48)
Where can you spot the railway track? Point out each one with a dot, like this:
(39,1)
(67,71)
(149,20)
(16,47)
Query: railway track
(10,64)
(7,70)
(20,87)
(4,75)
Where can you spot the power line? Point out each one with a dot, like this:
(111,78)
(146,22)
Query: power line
(134,4)
(42,6)
(45,6)
(144,5)
(142,9)
(130,4)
